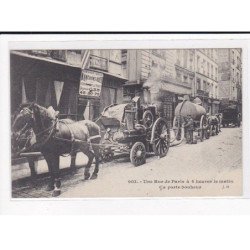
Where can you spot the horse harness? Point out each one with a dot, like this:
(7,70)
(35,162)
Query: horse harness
(73,140)
(52,130)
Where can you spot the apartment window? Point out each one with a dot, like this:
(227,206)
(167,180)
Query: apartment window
(154,64)
(178,75)
(185,59)
(191,55)
(238,62)
(185,79)
(205,85)
(212,71)
(178,62)
(208,69)
(198,63)
(204,66)
(198,81)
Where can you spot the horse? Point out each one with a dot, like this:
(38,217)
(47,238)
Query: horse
(55,137)
(214,123)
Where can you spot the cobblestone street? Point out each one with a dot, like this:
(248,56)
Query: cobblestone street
(217,159)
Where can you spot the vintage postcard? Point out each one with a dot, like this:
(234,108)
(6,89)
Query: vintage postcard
(126,122)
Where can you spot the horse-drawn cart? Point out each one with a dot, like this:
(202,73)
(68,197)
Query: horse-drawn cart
(190,110)
(135,130)
(129,128)
(231,116)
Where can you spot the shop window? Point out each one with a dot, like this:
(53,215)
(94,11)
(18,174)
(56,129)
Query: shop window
(108,97)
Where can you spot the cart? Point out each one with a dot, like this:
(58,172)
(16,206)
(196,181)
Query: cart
(134,130)
(200,119)
(231,116)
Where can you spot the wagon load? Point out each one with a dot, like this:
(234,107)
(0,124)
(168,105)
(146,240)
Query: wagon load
(200,120)
(188,108)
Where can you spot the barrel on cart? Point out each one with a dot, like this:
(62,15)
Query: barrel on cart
(197,112)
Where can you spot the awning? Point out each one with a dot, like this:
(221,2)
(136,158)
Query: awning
(167,86)
(132,83)
(50,60)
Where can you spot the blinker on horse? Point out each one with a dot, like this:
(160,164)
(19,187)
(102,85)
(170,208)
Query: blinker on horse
(56,137)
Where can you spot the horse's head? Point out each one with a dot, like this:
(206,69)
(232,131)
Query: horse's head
(22,134)
(30,118)
(23,117)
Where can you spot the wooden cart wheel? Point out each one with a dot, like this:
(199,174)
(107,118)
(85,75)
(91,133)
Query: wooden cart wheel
(138,154)
(148,119)
(160,137)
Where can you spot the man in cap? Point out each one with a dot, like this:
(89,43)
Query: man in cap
(189,129)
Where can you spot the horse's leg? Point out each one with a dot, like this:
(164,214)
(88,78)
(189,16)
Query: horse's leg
(73,159)
(48,158)
(57,181)
(90,156)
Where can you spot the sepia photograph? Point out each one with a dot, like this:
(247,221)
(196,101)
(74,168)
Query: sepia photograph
(98,123)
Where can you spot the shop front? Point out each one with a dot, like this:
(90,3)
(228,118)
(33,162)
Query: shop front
(45,82)
(165,95)
(36,77)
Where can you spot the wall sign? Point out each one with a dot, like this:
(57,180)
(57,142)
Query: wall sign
(90,83)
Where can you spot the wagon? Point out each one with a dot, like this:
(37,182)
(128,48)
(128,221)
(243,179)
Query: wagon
(230,115)
(198,113)
(134,130)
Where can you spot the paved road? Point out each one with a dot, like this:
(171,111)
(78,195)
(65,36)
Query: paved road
(212,167)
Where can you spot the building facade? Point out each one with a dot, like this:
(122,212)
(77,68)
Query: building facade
(230,76)
(206,79)
(184,68)
(158,77)
(52,78)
